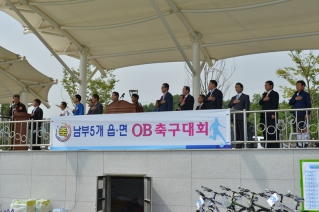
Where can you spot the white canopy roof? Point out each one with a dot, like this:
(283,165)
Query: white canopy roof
(17,75)
(120,33)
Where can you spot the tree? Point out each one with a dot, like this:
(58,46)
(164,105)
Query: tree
(306,69)
(102,85)
(225,104)
(175,101)
(218,72)
(4,110)
(149,108)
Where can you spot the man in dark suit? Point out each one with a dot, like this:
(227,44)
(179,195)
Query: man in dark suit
(201,102)
(37,114)
(180,100)
(188,101)
(97,107)
(269,101)
(214,99)
(301,99)
(166,100)
(239,102)
(17,106)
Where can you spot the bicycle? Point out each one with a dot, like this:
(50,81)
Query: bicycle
(214,202)
(233,200)
(252,199)
(282,207)
(202,203)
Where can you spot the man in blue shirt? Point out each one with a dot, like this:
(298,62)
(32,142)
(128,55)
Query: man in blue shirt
(79,107)
(301,99)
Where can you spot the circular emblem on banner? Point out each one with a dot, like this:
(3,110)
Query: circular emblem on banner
(63,132)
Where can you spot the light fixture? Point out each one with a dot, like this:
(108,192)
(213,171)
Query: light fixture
(133,92)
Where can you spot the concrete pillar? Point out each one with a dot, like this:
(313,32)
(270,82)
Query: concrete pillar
(196,65)
(24,98)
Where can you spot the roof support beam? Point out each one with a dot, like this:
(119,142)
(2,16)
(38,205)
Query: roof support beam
(44,84)
(138,52)
(42,40)
(192,33)
(56,26)
(6,88)
(92,75)
(114,25)
(98,66)
(54,3)
(13,61)
(261,39)
(172,35)
(235,8)
(53,23)
(45,103)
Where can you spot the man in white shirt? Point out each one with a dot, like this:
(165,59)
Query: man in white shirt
(64,111)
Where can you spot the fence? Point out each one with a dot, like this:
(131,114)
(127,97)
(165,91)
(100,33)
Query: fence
(285,130)
(27,134)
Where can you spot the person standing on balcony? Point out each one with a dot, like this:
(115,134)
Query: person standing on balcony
(135,97)
(166,100)
(214,99)
(301,99)
(270,101)
(17,106)
(188,101)
(96,107)
(79,108)
(37,114)
(201,102)
(64,111)
(239,102)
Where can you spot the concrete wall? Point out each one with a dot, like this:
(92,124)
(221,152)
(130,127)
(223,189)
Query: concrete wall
(176,174)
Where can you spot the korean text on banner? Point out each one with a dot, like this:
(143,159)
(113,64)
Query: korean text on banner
(162,130)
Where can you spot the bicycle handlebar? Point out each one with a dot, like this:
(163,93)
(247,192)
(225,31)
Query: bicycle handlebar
(225,188)
(243,189)
(200,193)
(207,189)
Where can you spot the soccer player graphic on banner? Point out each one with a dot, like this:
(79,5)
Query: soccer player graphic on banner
(215,127)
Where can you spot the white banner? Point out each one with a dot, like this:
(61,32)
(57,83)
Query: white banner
(199,129)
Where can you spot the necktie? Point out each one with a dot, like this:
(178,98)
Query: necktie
(267,93)
(237,97)
(33,110)
(163,96)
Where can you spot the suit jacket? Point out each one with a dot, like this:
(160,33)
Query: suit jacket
(189,103)
(168,105)
(243,104)
(217,104)
(271,104)
(98,110)
(19,108)
(202,107)
(37,115)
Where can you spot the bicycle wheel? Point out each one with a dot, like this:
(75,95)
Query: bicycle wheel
(263,210)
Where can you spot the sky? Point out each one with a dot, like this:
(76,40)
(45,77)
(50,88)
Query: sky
(251,70)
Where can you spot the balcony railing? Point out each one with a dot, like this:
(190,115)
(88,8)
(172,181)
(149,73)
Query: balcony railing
(30,134)
(287,130)
(24,134)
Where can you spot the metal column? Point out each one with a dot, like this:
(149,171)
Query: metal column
(196,66)
(83,77)
(24,98)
